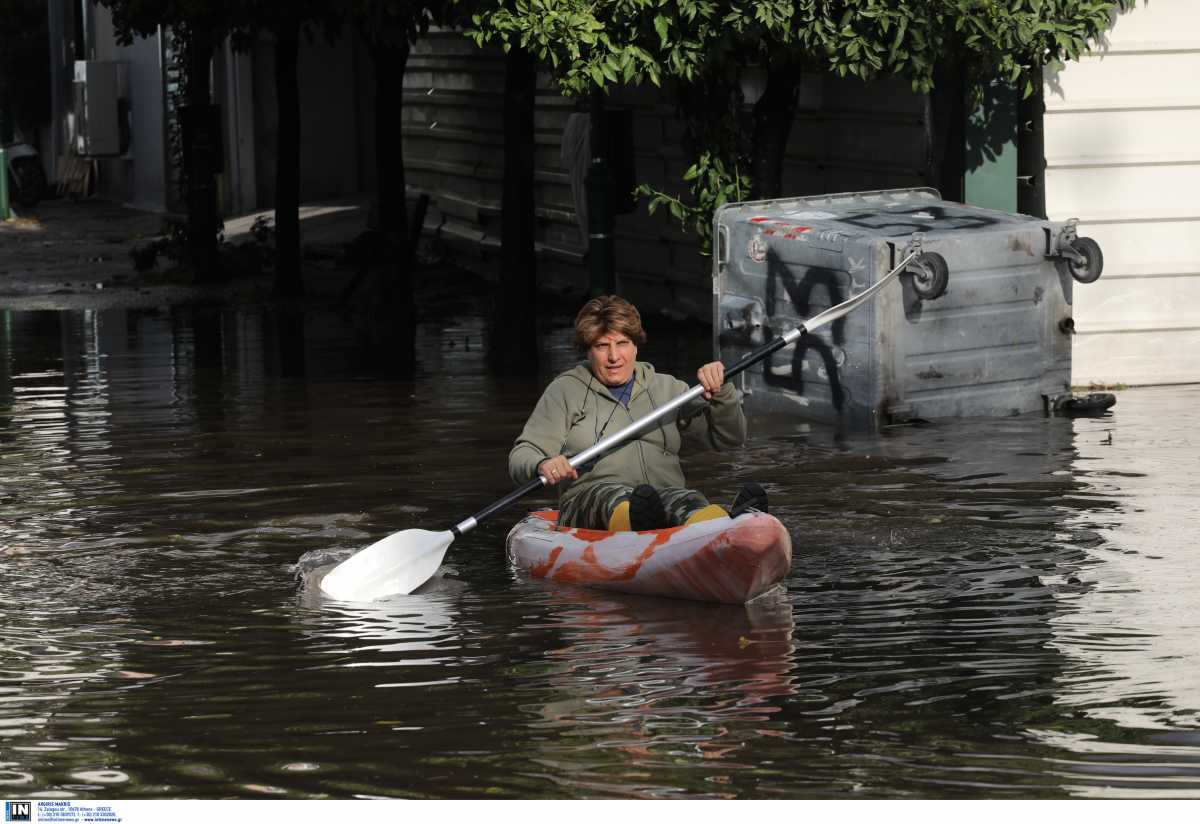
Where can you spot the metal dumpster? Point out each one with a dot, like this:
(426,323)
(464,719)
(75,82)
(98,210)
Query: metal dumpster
(982,327)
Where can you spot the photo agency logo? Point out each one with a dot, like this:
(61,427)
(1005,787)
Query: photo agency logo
(18,811)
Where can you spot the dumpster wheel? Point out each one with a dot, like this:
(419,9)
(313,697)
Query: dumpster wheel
(1087,263)
(930,275)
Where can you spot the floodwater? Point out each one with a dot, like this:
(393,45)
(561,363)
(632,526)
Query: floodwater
(977,609)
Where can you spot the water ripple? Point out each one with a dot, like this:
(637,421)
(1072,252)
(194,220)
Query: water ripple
(997,609)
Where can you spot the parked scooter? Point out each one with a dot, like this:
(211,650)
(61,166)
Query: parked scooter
(26,177)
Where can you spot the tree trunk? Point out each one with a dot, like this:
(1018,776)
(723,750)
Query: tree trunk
(288,280)
(773,116)
(945,129)
(399,304)
(391,60)
(513,345)
(201,159)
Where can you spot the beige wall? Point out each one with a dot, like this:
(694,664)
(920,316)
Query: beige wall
(1123,155)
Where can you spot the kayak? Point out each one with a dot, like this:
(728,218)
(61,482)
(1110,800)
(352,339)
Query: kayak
(726,560)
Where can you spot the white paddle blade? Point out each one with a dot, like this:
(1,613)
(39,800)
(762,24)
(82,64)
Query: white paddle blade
(396,565)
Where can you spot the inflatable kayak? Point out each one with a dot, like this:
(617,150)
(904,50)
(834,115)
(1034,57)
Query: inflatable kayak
(727,560)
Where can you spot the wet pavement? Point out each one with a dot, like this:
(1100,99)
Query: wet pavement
(78,254)
(999,608)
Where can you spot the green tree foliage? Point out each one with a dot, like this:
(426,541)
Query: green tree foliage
(698,49)
(597,46)
(398,21)
(134,18)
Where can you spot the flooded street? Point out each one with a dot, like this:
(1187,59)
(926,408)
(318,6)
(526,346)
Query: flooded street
(985,608)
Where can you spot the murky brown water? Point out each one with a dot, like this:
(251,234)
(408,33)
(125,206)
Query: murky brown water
(1001,608)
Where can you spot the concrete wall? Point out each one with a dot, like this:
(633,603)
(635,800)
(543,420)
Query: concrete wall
(1123,155)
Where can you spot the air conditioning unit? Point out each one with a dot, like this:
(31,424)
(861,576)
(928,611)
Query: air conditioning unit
(101,103)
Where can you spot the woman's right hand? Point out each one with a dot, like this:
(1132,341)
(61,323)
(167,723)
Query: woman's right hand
(556,470)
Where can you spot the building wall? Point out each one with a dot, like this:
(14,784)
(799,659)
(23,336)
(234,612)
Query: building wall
(1122,133)
(233,83)
(137,177)
(145,161)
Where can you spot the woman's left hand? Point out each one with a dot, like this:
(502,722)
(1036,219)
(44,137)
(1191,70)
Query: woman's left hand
(712,377)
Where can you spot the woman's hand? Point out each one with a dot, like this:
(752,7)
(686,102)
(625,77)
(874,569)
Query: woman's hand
(556,470)
(712,377)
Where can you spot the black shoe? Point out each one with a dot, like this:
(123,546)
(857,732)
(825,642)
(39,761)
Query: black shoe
(752,498)
(646,509)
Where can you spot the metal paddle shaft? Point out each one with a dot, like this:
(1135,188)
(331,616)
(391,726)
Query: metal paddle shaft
(746,361)
(405,560)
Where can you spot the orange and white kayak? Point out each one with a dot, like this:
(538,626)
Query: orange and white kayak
(726,560)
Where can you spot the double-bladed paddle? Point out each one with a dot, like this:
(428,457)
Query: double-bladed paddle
(401,562)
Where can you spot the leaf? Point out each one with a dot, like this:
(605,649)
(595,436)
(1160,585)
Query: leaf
(662,25)
(898,40)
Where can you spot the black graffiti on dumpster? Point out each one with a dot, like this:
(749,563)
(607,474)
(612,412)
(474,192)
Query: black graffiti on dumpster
(799,292)
(918,219)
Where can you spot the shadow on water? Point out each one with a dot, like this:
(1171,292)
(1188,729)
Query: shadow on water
(1001,608)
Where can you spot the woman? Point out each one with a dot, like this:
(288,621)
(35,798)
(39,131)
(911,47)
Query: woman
(639,484)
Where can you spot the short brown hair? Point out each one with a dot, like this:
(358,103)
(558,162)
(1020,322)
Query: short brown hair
(607,313)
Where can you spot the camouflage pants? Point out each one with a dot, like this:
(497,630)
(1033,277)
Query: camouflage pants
(592,508)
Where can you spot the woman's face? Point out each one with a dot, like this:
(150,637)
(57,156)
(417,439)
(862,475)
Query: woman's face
(612,356)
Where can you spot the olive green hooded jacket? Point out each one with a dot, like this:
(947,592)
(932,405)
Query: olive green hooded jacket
(577,410)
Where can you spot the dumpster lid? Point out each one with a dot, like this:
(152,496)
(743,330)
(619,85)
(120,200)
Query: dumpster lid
(884,213)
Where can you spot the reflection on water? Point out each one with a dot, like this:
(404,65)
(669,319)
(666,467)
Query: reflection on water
(656,682)
(976,609)
(1134,626)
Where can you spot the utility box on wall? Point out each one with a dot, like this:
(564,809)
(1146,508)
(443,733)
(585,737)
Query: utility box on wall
(100,106)
(982,327)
